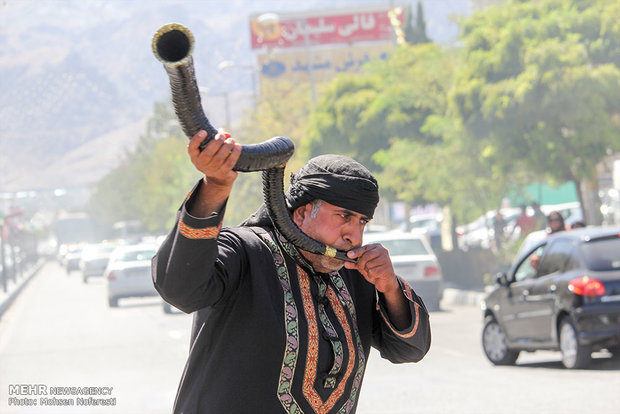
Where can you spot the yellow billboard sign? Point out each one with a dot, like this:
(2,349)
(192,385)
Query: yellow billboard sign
(318,65)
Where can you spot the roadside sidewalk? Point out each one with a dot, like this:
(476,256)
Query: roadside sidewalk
(15,286)
(462,297)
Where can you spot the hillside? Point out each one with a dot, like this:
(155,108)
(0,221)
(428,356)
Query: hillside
(78,79)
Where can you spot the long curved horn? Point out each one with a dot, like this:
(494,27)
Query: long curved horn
(173,44)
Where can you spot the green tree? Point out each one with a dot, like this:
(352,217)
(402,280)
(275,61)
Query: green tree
(165,176)
(359,114)
(349,119)
(539,87)
(394,118)
(111,199)
(151,180)
(283,110)
(430,161)
(415,34)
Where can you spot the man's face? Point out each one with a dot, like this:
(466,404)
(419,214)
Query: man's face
(334,226)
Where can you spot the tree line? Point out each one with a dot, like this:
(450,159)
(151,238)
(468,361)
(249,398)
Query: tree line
(530,92)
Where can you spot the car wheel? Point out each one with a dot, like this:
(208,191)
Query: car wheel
(113,302)
(574,354)
(494,344)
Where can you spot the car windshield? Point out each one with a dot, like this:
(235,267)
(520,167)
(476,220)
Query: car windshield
(136,255)
(602,254)
(404,247)
(98,250)
(424,223)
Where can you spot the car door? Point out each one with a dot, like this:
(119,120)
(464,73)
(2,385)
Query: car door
(541,297)
(517,313)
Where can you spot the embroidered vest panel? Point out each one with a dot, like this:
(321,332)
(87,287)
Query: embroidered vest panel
(331,381)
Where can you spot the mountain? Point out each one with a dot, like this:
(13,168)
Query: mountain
(78,78)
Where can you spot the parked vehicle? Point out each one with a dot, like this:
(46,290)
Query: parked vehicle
(530,240)
(94,259)
(71,258)
(562,294)
(480,233)
(129,272)
(415,262)
(429,225)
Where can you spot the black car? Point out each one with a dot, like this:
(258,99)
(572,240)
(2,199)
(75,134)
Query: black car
(562,294)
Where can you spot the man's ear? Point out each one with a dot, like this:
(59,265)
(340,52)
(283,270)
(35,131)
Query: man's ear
(300,214)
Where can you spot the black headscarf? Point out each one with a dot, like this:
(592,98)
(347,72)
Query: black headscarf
(335,179)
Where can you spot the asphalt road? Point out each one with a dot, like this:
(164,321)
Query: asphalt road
(60,333)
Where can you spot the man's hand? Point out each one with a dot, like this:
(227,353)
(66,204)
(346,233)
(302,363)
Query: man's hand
(373,262)
(216,162)
(217,159)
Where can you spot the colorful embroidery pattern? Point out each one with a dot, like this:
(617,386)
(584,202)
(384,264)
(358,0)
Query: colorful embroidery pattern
(313,347)
(330,380)
(313,339)
(342,318)
(205,233)
(339,299)
(345,297)
(291,351)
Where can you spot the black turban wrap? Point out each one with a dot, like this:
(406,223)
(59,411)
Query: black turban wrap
(335,179)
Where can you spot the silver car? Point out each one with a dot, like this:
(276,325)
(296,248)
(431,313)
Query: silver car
(129,272)
(415,262)
(94,259)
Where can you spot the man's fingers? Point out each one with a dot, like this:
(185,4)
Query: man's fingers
(194,143)
(223,152)
(359,251)
(234,155)
(367,252)
(223,132)
(213,147)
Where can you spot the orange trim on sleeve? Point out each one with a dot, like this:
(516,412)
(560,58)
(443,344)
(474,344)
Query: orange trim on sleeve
(407,290)
(416,307)
(192,233)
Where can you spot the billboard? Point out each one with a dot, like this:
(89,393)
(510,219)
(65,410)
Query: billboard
(296,66)
(287,30)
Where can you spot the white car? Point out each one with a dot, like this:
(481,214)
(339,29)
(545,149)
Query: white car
(94,259)
(480,233)
(129,272)
(429,225)
(415,262)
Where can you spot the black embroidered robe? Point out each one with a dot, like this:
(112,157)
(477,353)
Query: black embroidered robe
(269,335)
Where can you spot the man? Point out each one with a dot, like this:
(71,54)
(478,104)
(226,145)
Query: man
(498,230)
(525,223)
(539,217)
(277,329)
